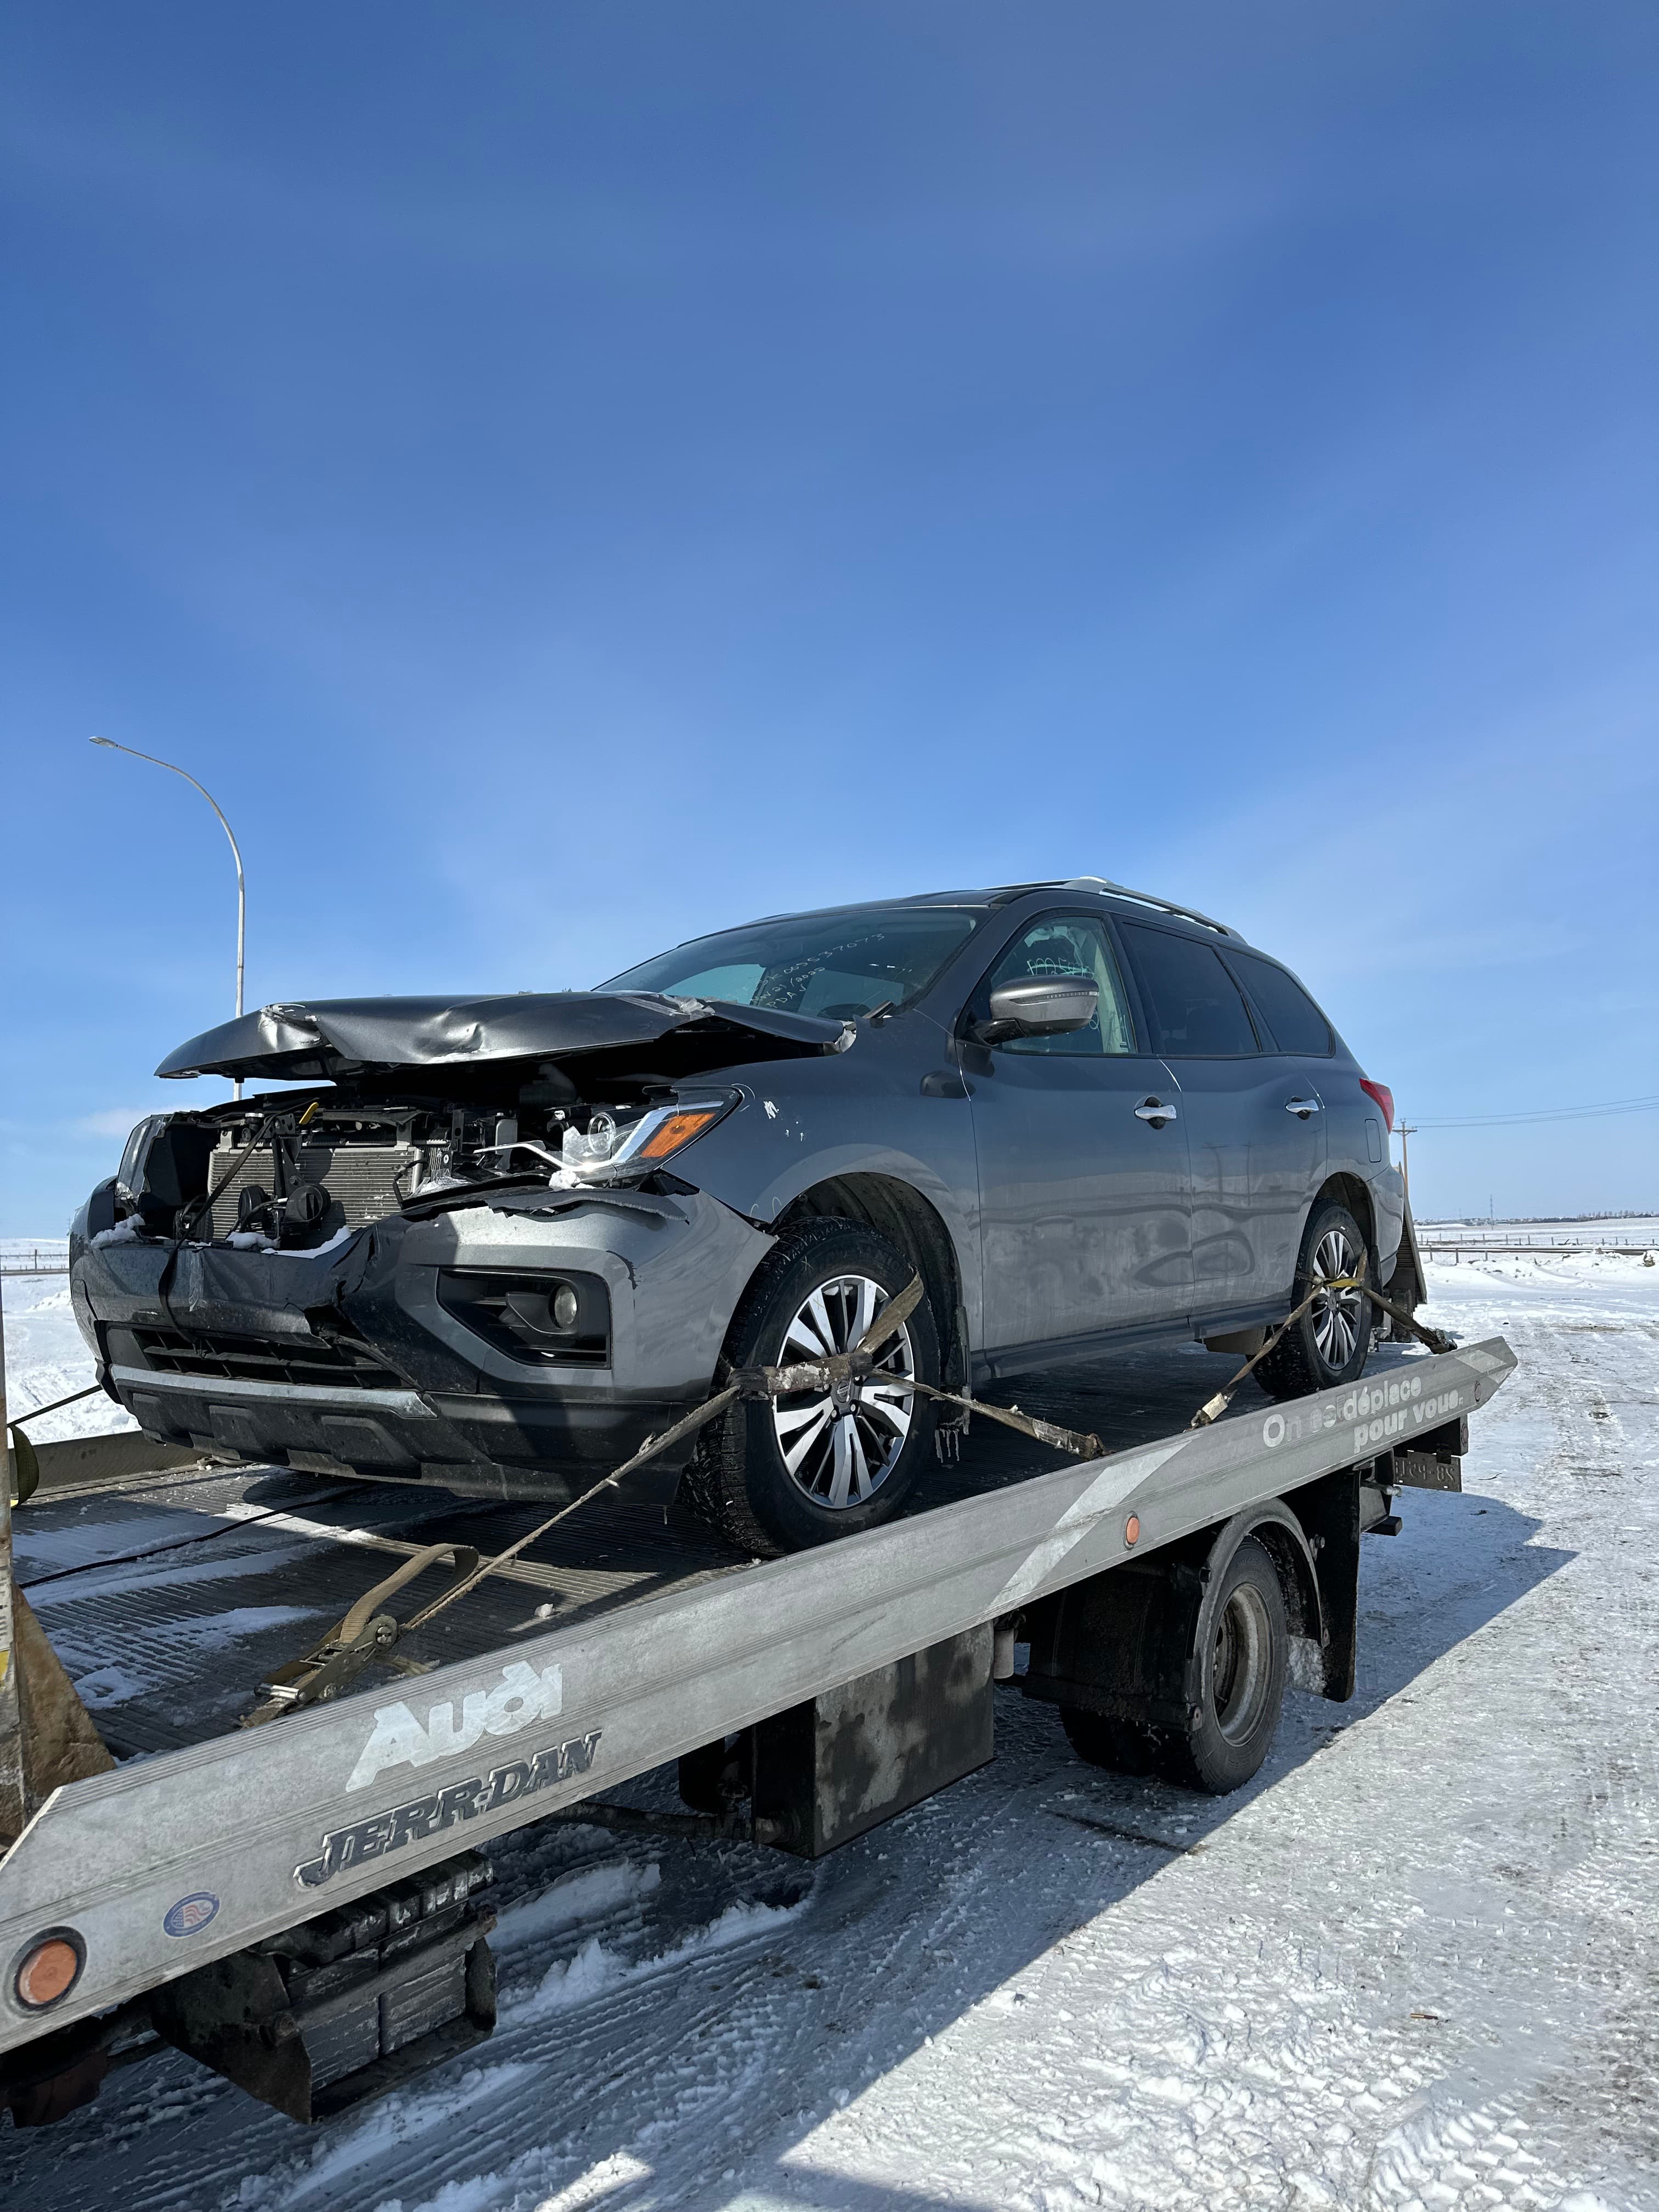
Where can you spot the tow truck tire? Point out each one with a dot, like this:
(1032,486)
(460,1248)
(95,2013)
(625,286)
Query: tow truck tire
(739,1482)
(1327,1345)
(1102,1739)
(1241,1646)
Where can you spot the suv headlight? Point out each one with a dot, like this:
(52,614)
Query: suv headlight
(611,1150)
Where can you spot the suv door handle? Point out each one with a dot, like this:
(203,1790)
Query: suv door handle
(1303,1107)
(1151,1110)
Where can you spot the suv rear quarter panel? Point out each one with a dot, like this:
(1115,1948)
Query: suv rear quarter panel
(1358,1148)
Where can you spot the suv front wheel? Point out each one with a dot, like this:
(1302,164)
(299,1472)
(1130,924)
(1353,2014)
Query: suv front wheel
(780,1475)
(1329,1344)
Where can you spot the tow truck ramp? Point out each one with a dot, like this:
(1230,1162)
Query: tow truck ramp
(301,1903)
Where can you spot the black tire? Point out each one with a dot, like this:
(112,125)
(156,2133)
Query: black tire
(1102,1739)
(1316,1352)
(1243,1644)
(739,1482)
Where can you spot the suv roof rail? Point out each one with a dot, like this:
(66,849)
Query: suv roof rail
(1147,898)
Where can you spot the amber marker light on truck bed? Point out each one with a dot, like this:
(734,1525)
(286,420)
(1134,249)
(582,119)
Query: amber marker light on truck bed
(50,1968)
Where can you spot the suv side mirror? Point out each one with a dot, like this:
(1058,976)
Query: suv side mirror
(1039,1006)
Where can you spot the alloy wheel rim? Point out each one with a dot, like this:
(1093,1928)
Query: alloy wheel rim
(1241,1663)
(1336,1314)
(840,1459)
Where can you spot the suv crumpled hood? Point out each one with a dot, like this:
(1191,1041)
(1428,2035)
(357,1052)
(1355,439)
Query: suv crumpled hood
(334,1037)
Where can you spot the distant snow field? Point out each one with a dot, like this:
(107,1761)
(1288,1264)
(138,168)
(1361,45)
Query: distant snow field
(45,1358)
(1412,1968)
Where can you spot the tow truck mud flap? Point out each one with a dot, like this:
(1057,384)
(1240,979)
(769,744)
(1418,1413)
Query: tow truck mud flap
(1118,1643)
(346,2006)
(850,1759)
(1122,1643)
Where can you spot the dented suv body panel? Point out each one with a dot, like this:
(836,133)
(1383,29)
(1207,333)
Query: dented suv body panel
(495,1242)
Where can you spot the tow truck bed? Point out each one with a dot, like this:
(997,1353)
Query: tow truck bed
(629,1639)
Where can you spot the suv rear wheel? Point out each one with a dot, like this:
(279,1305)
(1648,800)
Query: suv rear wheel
(776,1476)
(1330,1343)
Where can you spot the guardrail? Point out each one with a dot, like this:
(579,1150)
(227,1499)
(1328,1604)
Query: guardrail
(1539,1251)
(15,1264)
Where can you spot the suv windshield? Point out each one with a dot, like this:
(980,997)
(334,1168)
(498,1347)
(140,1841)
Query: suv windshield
(836,964)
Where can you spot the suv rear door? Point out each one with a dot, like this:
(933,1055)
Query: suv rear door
(1254,1119)
(1083,1198)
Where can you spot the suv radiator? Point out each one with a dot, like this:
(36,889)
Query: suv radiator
(360,1178)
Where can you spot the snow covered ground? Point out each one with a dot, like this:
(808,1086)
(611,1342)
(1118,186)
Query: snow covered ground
(45,1358)
(1415,1965)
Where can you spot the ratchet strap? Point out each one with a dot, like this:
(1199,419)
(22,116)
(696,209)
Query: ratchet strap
(1436,1339)
(368,1633)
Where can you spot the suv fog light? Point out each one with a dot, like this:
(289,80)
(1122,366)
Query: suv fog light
(543,1319)
(50,1968)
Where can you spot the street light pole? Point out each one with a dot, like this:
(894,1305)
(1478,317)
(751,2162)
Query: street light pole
(110,745)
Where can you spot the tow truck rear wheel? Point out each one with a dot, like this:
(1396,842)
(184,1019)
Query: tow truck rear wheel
(1227,1668)
(781,1476)
(1240,1650)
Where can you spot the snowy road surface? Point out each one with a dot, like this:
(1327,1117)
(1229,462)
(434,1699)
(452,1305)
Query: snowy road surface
(1416,1965)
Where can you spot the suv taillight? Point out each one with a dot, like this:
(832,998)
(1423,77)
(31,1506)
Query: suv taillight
(1383,1096)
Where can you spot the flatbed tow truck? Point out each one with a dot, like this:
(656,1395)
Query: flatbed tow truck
(304,1905)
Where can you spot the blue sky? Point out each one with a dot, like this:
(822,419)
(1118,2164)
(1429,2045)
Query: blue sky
(567,477)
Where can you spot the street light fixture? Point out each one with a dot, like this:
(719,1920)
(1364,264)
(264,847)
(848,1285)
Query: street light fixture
(110,745)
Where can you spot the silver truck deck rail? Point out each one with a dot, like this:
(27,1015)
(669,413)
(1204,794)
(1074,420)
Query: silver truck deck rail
(190,1855)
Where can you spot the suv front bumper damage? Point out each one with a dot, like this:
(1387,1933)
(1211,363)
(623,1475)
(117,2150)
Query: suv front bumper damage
(385,1356)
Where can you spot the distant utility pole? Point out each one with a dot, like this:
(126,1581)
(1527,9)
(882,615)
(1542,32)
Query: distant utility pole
(1404,1129)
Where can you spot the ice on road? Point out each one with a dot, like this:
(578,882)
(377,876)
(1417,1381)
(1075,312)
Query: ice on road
(1413,1968)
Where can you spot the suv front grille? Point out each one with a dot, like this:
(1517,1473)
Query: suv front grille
(262,1360)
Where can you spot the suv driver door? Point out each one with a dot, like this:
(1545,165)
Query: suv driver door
(1084,1189)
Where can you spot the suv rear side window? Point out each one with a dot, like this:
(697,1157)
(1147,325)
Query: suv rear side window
(1296,1023)
(1194,1006)
(1067,945)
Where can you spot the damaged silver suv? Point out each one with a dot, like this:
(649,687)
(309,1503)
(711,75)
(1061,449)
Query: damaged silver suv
(493,1243)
